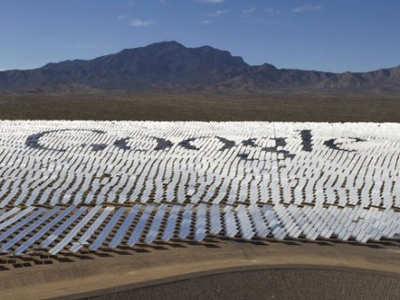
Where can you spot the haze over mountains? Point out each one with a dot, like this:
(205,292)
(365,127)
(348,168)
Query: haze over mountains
(172,66)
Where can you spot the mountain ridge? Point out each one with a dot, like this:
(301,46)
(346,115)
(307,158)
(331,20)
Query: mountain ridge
(172,66)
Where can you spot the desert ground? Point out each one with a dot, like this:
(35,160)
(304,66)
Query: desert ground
(277,106)
(213,269)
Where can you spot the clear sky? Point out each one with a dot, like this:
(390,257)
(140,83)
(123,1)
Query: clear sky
(329,35)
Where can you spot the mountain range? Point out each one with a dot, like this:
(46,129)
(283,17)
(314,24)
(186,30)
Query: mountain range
(172,66)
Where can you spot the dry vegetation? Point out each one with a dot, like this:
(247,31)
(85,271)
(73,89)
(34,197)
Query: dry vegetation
(277,106)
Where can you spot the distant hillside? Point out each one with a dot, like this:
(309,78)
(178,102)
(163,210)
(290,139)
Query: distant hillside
(172,66)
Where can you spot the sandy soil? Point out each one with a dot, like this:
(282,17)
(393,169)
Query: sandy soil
(283,282)
(169,268)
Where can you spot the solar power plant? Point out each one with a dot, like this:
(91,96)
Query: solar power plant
(69,186)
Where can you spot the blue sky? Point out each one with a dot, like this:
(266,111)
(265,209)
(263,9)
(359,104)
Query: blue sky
(329,35)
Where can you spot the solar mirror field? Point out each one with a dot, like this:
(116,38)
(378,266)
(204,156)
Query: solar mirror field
(72,186)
